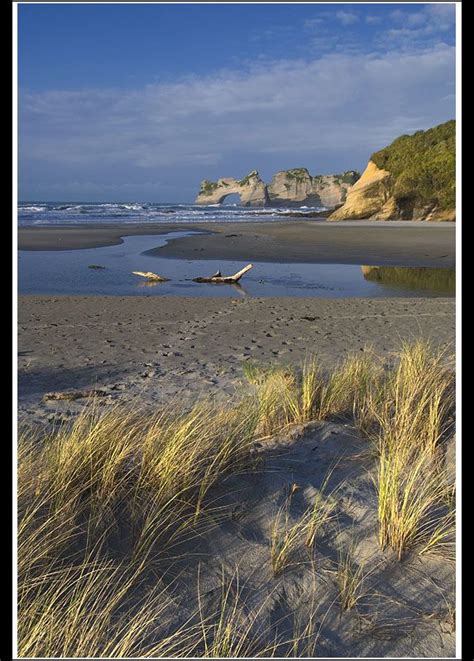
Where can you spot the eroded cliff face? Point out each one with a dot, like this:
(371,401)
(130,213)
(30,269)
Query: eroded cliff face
(252,190)
(297,187)
(372,198)
(287,188)
(370,195)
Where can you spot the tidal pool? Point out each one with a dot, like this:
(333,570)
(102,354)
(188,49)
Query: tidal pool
(108,271)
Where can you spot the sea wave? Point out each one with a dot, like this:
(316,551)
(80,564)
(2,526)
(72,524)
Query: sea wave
(52,213)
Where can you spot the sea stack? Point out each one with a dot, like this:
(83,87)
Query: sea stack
(288,188)
(252,190)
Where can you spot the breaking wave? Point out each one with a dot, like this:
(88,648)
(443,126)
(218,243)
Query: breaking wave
(55,213)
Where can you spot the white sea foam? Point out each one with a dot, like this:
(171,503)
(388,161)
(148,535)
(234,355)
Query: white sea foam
(43,213)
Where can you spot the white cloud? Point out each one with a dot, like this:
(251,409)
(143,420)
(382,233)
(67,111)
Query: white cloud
(346,17)
(311,23)
(336,104)
(373,20)
(431,20)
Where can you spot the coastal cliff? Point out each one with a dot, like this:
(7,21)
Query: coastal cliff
(412,179)
(288,188)
(371,196)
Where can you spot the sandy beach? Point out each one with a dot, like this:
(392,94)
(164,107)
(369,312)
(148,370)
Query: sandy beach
(349,242)
(168,345)
(168,352)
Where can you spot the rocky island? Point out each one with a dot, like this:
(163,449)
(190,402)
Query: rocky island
(414,178)
(288,188)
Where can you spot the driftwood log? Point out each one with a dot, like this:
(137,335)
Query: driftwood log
(71,395)
(149,275)
(222,279)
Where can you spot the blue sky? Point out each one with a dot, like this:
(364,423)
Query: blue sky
(141,102)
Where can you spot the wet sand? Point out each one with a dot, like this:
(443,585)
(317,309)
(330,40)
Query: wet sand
(350,242)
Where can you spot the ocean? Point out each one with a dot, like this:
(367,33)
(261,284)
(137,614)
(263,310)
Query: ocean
(56,213)
(76,272)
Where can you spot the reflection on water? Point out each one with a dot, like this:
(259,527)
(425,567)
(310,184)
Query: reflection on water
(442,281)
(150,283)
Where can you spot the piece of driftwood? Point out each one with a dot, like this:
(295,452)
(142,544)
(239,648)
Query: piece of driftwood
(71,395)
(152,277)
(225,279)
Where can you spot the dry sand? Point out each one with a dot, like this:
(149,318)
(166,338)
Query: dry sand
(402,608)
(167,346)
(350,242)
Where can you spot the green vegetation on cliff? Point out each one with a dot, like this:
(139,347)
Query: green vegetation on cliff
(423,166)
(248,178)
(208,187)
(300,174)
(348,177)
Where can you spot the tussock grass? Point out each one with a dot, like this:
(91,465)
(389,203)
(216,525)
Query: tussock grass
(225,636)
(306,639)
(112,488)
(276,398)
(308,391)
(93,610)
(288,397)
(289,538)
(285,541)
(283,395)
(411,488)
(234,630)
(106,503)
(350,577)
(406,409)
(349,385)
(318,515)
(413,416)
(414,406)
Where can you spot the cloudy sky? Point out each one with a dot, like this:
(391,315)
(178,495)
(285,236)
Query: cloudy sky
(142,102)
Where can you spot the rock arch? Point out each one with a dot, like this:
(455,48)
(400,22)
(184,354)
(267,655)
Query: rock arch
(288,188)
(235,198)
(251,190)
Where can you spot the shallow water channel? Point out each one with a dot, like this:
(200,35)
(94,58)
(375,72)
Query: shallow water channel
(70,272)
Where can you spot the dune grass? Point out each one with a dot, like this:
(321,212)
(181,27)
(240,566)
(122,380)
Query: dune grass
(411,488)
(289,538)
(107,503)
(413,414)
(320,513)
(113,488)
(416,400)
(287,396)
(405,409)
(350,577)
(285,541)
(349,384)
(93,610)
(234,630)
